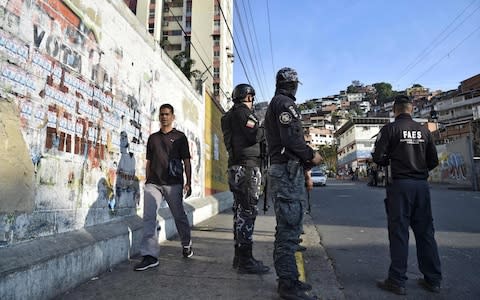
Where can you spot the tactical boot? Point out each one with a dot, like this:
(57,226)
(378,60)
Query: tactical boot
(247,264)
(250,266)
(235,258)
(292,290)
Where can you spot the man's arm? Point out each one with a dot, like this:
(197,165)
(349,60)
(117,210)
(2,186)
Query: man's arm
(187,189)
(380,155)
(431,155)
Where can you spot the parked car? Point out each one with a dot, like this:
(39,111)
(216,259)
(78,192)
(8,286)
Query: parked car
(319,178)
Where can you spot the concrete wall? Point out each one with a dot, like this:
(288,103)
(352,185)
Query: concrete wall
(73,75)
(216,156)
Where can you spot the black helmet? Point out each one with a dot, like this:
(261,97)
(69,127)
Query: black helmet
(241,91)
(287,75)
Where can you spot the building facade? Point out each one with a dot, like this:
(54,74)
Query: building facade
(197,33)
(355,140)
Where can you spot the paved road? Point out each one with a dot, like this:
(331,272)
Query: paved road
(350,218)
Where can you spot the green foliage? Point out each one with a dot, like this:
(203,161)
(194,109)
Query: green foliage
(329,154)
(185,63)
(384,92)
(355,87)
(415,85)
(306,105)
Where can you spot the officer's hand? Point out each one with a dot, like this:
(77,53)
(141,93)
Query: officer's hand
(317,159)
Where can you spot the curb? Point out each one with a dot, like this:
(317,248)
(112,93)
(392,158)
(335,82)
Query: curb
(49,266)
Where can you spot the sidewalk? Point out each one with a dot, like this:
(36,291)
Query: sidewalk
(209,273)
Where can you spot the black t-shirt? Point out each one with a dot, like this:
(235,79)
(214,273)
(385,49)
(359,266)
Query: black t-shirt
(162,148)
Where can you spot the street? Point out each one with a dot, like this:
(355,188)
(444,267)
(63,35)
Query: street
(350,219)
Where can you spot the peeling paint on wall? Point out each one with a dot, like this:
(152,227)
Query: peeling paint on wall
(76,75)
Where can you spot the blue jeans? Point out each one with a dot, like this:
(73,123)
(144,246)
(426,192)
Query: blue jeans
(287,189)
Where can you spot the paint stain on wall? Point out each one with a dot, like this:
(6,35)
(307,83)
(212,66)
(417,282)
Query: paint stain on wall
(17,171)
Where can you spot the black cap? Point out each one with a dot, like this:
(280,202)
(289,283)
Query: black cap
(402,99)
(287,75)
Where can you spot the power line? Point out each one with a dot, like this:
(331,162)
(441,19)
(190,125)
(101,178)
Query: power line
(270,38)
(257,43)
(233,41)
(194,48)
(434,43)
(448,54)
(248,49)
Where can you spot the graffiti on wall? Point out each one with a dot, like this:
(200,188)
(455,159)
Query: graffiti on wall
(452,166)
(78,89)
(454,163)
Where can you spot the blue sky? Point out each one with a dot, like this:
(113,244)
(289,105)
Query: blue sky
(330,43)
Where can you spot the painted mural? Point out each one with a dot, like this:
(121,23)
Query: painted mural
(454,163)
(83,88)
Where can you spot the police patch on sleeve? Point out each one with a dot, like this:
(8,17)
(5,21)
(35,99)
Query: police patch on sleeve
(285,118)
(293,111)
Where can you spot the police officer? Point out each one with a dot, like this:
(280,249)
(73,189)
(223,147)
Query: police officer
(407,147)
(290,161)
(242,137)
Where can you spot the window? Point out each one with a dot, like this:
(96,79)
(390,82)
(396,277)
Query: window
(216,53)
(165,8)
(216,9)
(188,23)
(216,40)
(216,25)
(216,89)
(216,72)
(176,32)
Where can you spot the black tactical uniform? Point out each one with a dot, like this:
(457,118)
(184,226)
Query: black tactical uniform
(242,137)
(289,156)
(408,148)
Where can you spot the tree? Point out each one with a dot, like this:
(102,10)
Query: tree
(384,92)
(329,154)
(355,87)
(185,63)
(415,85)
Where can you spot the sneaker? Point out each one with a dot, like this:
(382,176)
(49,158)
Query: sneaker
(388,285)
(434,288)
(187,251)
(147,262)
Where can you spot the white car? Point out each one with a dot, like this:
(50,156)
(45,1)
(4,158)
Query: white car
(319,178)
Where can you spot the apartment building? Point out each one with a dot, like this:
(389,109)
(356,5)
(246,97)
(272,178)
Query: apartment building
(199,30)
(319,136)
(355,141)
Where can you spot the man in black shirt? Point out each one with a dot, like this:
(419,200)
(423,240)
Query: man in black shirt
(168,155)
(242,137)
(408,148)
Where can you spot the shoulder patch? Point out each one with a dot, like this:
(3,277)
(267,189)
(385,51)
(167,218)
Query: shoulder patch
(250,124)
(293,111)
(253,118)
(285,118)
